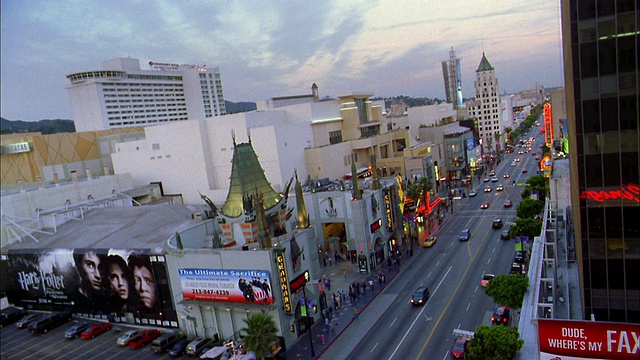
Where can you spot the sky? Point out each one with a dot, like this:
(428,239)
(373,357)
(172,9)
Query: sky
(274,48)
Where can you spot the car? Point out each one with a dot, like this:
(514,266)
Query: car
(492,173)
(500,315)
(459,348)
(494,179)
(472,193)
(124,339)
(507,203)
(513,163)
(167,341)
(195,347)
(537,158)
(10,315)
(517,159)
(516,269)
(430,241)
(76,330)
(179,348)
(144,338)
(95,330)
(499,187)
(505,235)
(464,235)
(420,296)
(520,152)
(486,180)
(519,257)
(24,322)
(487,189)
(486,278)
(506,176)
(50,321)
(524,171)
(497,223)
(484,205)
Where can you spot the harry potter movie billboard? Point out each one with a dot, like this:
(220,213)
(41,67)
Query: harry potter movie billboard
(111,282)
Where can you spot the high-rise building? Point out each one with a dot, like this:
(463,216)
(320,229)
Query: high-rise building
(600,40)
(486,108)
(452,80)
(124,95)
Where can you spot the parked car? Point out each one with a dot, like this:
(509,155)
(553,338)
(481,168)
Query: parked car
(497,224)
(124,339)
(516,269)
(196,346)
(459,348)
(420,296)
(500,316)
(95,330)
(166,342)
(24,322)
(464,235)
(76,330)
(145,337)
(519,258)
(180,347)
(46,323)
(430,241)
(10,315)
(486,278)
(504,235)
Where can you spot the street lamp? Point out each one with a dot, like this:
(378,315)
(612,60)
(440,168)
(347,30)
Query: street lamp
(306,318)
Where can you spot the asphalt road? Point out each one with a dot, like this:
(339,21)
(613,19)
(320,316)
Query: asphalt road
(452,270)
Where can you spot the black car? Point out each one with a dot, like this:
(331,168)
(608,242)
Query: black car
(465,235)
(421,296)
(516,269)
(180,347)
(519,258)
(10,315)
(497,224)
(504,235)
(24,322)
(500,316)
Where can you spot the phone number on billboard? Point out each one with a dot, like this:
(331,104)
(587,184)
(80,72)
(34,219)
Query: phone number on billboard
(209,292)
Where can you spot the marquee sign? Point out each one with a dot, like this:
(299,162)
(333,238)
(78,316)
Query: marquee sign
(568,339)
(387,207)
(548,125)
(284,282)
(300,281)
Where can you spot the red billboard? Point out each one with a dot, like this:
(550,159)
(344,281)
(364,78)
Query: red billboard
(548,125)
(568,339)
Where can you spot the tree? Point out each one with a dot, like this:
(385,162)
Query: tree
(539,184)
(526,227)
(259,334)
(508,290)
(538,180)
(425,186)
(528,208)
(494,343)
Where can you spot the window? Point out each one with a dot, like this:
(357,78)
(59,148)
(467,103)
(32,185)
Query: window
(335,137)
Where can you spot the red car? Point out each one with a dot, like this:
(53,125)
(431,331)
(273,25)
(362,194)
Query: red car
(145,337)
(95,330)
(508,203)
(484,205)
(524,171)
(459,349)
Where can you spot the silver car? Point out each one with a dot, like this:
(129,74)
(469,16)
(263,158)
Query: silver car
(124,339)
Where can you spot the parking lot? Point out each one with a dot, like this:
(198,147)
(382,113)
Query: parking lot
(21,344)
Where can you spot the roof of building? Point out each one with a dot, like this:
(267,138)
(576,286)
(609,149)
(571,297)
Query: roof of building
(121,227)
(247,178)
(454,130)
(484,64)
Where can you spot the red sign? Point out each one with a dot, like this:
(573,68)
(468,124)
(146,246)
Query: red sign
(548,124)
(627,193)
(589,339)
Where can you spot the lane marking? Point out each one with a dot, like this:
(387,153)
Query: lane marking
(469,304)
(374,347)
(393,322)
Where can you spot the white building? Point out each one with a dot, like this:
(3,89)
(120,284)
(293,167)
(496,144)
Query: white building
(123,95)
(486,107)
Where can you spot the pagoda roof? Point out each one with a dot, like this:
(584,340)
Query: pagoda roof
(484,64)
(247,178)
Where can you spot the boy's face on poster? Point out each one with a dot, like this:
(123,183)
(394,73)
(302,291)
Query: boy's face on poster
(145,286)
(119,282)
(91,269)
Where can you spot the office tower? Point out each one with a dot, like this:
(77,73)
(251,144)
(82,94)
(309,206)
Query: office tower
(486,108)
(600,40)
(452,80)
(124,95)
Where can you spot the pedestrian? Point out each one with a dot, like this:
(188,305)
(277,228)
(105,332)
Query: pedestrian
(328,284)
(336,304)
(344,274)
(322,337)
(326,325)
(371,285)
(329,261)
(339,300)
(384,279)
(355,313)
(380,278)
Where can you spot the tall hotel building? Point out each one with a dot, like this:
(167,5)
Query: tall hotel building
(123,95)
(600,41)
(486,107)
(452,80)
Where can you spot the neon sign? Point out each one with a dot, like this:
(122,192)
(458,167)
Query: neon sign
(548,125)
(387,205)
(627,193)
(284,282)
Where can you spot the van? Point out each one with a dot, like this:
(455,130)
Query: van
(49,322)
(166,342)
(197,345)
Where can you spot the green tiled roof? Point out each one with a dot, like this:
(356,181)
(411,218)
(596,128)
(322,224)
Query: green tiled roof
(247,178)
(484,64)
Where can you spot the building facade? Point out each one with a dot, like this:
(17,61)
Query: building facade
(486,108)
(600,40)
(123,95)
(452,80)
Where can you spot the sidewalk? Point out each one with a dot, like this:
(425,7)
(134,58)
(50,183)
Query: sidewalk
(339,340)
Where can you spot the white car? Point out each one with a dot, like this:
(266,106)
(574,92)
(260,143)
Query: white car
(499,188)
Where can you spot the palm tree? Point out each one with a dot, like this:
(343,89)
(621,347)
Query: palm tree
(497,136)
(259,334)
(425,186)
(414,192)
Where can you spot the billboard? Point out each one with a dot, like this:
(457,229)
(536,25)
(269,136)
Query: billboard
(241,286)
(96,282)
(567,339)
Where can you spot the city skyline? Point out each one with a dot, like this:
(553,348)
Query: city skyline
(270,50)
